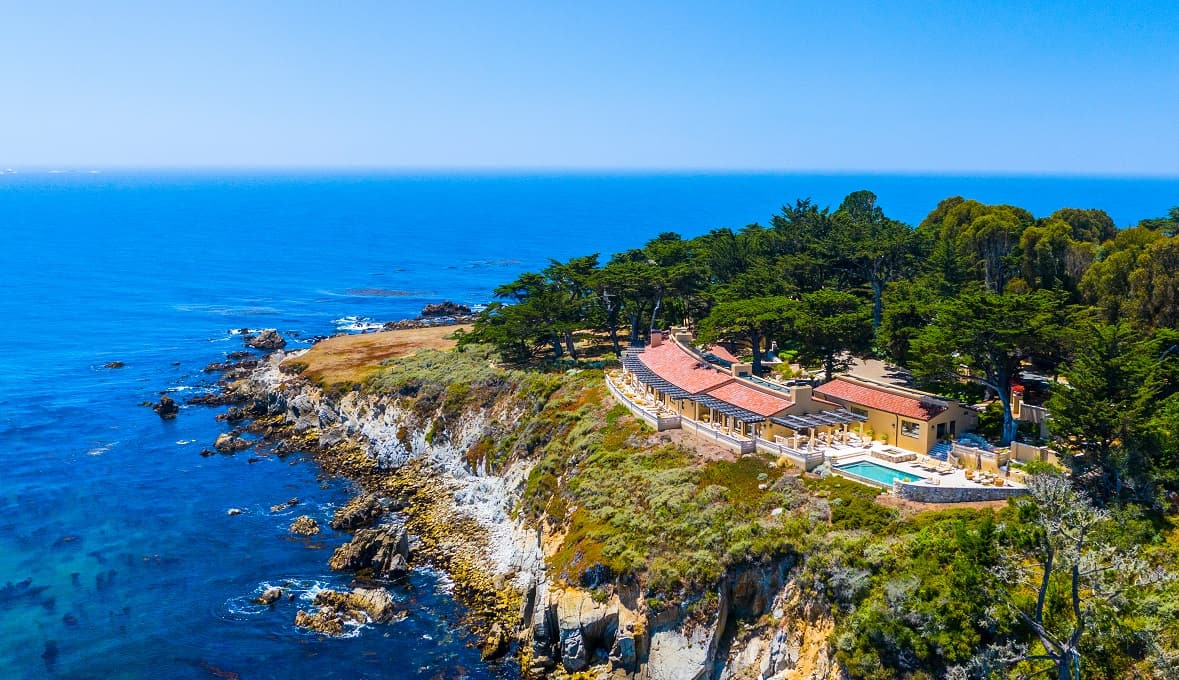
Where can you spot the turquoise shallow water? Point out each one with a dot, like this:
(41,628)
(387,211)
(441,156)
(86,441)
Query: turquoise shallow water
(117,558)
(878,473)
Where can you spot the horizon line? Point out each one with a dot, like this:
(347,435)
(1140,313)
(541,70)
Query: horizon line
(16,169)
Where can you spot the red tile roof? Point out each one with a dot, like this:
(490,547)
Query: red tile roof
(681,369)
(721,353)
(879,399)
(750,399)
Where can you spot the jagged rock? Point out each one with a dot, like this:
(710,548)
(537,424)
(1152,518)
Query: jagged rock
(283,506)
(167,408)
(113,364)
(233,414)
(337,609)
(495,645)
(385,550)
(584,626)
(227,396)
(679,653)
(321,622)
(269,596)
(229,443)
(358,513)
(376,603)
(304,525)
(624,652)
(267,340)
(445,309)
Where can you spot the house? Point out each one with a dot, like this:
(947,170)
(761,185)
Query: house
(906,418)
(722,401)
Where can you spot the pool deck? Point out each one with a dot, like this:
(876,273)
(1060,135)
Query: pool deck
(942,483)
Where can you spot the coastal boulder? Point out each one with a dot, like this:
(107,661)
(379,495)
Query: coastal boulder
(337,609)
(113,364)
(384,550)
(322,621)
(267,340)
(362,511)
(495,645)
(443,309)
(269,596)
(304,525)
(229,443)
(167,408)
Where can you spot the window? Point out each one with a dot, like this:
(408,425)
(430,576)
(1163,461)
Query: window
(858,411)
(910,429)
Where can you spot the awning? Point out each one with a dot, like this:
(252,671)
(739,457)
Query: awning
(648,377)
(727,408)
(820,419)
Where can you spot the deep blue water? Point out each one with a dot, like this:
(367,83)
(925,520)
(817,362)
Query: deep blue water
(134,568)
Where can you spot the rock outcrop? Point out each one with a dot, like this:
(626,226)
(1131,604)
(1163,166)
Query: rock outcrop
(269,596)
(338,609)
(304,525)
(383,550)
(447,308)
(267,340)
(167,408)
(362,511)
(231,443)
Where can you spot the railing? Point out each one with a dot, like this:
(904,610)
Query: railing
(1026,452)
(972,458)
(807,460)
(659,422)
(738,442)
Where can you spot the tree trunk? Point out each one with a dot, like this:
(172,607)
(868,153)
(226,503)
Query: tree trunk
(635,321)
(612,323)
(1010,427)
(556,342)
(755,342)
(569,346)
(829,366)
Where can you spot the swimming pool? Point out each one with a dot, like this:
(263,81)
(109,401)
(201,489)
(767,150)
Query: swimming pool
(875,473)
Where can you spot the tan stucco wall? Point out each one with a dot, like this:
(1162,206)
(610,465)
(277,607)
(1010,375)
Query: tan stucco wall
(883,423)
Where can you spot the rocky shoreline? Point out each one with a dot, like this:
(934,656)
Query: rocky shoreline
(464,521)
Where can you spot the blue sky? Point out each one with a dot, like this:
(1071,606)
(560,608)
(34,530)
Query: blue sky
(1069,87)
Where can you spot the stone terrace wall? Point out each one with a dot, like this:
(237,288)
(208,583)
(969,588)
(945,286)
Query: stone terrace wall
(948,494)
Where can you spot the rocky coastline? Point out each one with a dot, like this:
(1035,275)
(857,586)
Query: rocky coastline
(462,513)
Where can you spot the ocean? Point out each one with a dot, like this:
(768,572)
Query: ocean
(117,556)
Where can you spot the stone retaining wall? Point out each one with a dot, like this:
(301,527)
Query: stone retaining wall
(926,493)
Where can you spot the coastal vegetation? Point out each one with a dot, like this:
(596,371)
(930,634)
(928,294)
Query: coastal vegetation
(1071,579)
(915,593)
(972,301)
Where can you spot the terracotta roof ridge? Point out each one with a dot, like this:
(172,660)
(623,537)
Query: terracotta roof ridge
(899,390)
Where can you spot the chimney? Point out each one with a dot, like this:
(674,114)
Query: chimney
(801,394)
(741,370)
(656,338)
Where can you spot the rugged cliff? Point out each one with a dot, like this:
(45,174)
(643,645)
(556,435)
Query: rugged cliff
(501,475)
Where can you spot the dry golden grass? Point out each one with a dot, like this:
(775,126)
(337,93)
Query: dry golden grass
(352,359)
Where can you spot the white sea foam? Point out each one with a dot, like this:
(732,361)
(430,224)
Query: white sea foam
(99,450)
(184,442)
(357,324)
